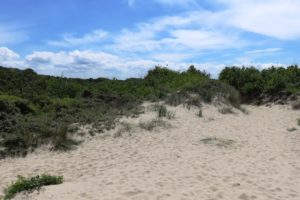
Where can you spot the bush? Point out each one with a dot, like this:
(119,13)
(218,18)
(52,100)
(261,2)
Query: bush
(252,83)
(30,184)
(246,80)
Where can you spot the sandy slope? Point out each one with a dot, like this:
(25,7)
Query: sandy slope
(263,163)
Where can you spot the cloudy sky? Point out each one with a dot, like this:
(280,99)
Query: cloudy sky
(125,38)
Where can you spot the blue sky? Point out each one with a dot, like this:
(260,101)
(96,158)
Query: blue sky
(125,38)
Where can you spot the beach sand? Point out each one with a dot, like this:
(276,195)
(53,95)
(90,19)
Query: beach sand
(262,161)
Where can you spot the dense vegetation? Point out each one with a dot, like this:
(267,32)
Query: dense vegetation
(253,83)
(37,109)
(30,184)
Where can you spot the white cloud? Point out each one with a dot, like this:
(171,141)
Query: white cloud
(189,33)
(7,54)
(86,64)
(69,40)
(92,64)
(275,18)
(264,51)
(10,58)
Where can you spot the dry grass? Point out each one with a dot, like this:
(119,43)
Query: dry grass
(226,110)
(153,124)
(218,142)
(296,104)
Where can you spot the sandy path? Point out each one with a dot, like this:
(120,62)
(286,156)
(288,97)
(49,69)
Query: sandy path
(263,163)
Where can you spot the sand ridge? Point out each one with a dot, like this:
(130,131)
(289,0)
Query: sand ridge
(262,162)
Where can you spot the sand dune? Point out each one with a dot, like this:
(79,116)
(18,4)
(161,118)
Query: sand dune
(261,162)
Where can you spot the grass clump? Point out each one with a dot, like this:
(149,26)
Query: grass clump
(154,123)
(162,111)
(218,142)
(225,110)
(125,128)
(200,113)
(62,140)
(170,114)
(296,105)
(28,185)
(291,129)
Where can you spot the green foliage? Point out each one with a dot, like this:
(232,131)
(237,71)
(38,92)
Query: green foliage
(251,82)
(30,184)
(166,80)
(38,109)
(247,80)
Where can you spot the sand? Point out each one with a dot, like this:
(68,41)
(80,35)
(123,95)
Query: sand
(262,162)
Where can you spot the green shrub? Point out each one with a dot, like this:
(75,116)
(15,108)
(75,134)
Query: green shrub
(162,111)
(252,83)
(13,104)
(30,184)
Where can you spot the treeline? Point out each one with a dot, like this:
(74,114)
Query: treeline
(28,84)
(253,83)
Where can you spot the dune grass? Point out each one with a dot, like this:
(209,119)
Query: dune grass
(30,184)
(218,142)
(153,124)
(291,129)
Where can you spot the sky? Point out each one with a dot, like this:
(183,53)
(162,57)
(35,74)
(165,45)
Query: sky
(126,38)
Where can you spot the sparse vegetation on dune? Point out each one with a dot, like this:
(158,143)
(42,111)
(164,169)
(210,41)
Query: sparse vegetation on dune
(30,184)
(154,123)
(38,109)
